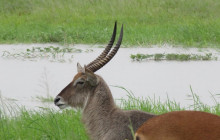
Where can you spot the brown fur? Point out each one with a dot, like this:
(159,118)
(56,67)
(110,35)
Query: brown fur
(102,118)
(181,125)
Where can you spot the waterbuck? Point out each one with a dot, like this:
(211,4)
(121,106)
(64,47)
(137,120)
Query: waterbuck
(181,125)
(103,120)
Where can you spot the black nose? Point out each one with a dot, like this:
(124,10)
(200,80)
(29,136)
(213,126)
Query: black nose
(56,100)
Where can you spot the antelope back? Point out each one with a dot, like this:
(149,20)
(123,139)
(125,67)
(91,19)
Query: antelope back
(181,125)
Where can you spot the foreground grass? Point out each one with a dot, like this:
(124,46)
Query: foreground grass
(51,124)
(185,22)
(46,124)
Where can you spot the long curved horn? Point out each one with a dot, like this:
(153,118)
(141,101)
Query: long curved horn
(102,62)
(107,48)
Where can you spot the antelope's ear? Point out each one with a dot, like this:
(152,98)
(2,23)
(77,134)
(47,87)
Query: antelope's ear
(80,68)
(92,79)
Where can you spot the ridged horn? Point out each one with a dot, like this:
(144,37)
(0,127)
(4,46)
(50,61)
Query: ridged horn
(107,48)
(102,62)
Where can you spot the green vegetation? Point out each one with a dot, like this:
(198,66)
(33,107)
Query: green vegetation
(51,53)
(178,22)
(51,124)
(45,99)
(44,124)
(172,56)
(156,106)
(52,49)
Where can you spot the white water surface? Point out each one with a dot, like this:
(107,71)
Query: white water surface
(23,80)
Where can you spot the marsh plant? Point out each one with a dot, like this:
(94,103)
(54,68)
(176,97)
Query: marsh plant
(199,105)
(8,107)
(45,86)
(173,57)
(51,53)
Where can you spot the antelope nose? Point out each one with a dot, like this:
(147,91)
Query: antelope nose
(56,100)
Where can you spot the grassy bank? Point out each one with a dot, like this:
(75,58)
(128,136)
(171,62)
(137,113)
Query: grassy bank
(51,124)
(185,22)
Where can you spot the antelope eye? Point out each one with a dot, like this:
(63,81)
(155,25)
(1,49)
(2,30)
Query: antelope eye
(80,82)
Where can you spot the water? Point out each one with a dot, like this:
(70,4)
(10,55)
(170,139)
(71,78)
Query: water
(24,80)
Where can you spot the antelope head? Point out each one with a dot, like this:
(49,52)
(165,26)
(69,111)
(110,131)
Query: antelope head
(75,94)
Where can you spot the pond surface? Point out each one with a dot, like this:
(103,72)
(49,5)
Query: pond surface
(24,80)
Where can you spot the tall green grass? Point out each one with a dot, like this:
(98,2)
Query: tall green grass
(45,124)
(181,22)
(156,106)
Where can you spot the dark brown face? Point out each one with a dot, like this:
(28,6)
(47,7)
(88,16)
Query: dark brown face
(77,92)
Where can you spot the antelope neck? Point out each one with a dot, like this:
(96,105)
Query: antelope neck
(99,108)
(101,98)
